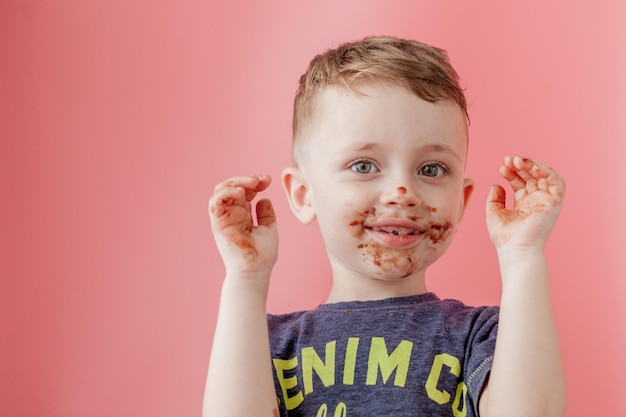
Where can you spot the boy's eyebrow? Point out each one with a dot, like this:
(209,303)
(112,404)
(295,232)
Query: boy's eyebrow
(367,147)
(431,147)
(437,147)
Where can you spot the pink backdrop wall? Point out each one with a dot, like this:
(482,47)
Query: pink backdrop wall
(118,118)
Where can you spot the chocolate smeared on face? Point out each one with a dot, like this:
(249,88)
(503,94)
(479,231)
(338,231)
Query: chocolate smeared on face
(439,232)
(388,260)
(356,225)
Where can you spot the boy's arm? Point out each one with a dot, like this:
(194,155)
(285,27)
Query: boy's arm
(527,375)
(239,381)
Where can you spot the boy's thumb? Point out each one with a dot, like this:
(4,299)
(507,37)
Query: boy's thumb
(265,213)
(496,199)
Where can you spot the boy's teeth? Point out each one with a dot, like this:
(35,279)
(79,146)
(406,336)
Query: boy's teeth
(396,232)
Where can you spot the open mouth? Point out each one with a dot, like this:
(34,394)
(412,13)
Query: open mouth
(396,231)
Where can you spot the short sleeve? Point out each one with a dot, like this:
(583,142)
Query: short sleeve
(479,352)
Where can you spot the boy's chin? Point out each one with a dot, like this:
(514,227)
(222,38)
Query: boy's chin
(397,264)
(393,270)
(393,276)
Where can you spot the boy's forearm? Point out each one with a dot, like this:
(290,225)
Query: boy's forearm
(240,379)
(527,375)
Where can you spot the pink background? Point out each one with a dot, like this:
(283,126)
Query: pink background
(117,119)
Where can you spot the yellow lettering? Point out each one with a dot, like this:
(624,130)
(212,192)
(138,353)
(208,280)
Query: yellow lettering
(350,361)
(341,410)
(461,395)
(441,396)
(286,383)
(322,411)
(380,359)
(312,362)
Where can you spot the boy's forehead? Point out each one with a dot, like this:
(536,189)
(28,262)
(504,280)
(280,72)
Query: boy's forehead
(376,106)
(338,109)
(357,94)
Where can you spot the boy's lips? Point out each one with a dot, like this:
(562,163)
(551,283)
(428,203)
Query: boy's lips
(398,231)
(395,232)
(388,225)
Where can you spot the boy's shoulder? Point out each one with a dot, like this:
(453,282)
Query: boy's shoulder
(423,309)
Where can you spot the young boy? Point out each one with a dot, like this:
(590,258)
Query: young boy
(380,142)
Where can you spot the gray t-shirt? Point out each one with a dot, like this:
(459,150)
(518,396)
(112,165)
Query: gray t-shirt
(404,356)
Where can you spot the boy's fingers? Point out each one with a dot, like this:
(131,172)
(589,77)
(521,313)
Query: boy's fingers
(553,181)
(264,182)
(544,171)
(230,208)
(240,181)
(265,213)
(548,179)
(251,183)
(515,181)
(223,199)
(525,168)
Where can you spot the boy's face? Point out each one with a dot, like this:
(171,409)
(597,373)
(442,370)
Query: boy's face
(384,178)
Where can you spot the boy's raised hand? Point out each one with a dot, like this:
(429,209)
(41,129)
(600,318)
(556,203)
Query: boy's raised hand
(244,246)
(539,192)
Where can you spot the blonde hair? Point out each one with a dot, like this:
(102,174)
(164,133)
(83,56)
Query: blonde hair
(423,69)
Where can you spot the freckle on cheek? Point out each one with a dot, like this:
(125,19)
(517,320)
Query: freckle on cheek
(431,209)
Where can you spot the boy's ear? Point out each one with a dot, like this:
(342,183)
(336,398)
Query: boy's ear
(298,194)
(468,188)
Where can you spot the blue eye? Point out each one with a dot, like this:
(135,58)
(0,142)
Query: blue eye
(433,170)
(363,167)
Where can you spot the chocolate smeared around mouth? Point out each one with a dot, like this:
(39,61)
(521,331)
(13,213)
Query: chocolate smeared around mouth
(397,231)
(439,232)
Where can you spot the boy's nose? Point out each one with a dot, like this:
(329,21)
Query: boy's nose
(401,196)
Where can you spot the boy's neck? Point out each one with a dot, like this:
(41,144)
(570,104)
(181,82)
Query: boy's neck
(352,288)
